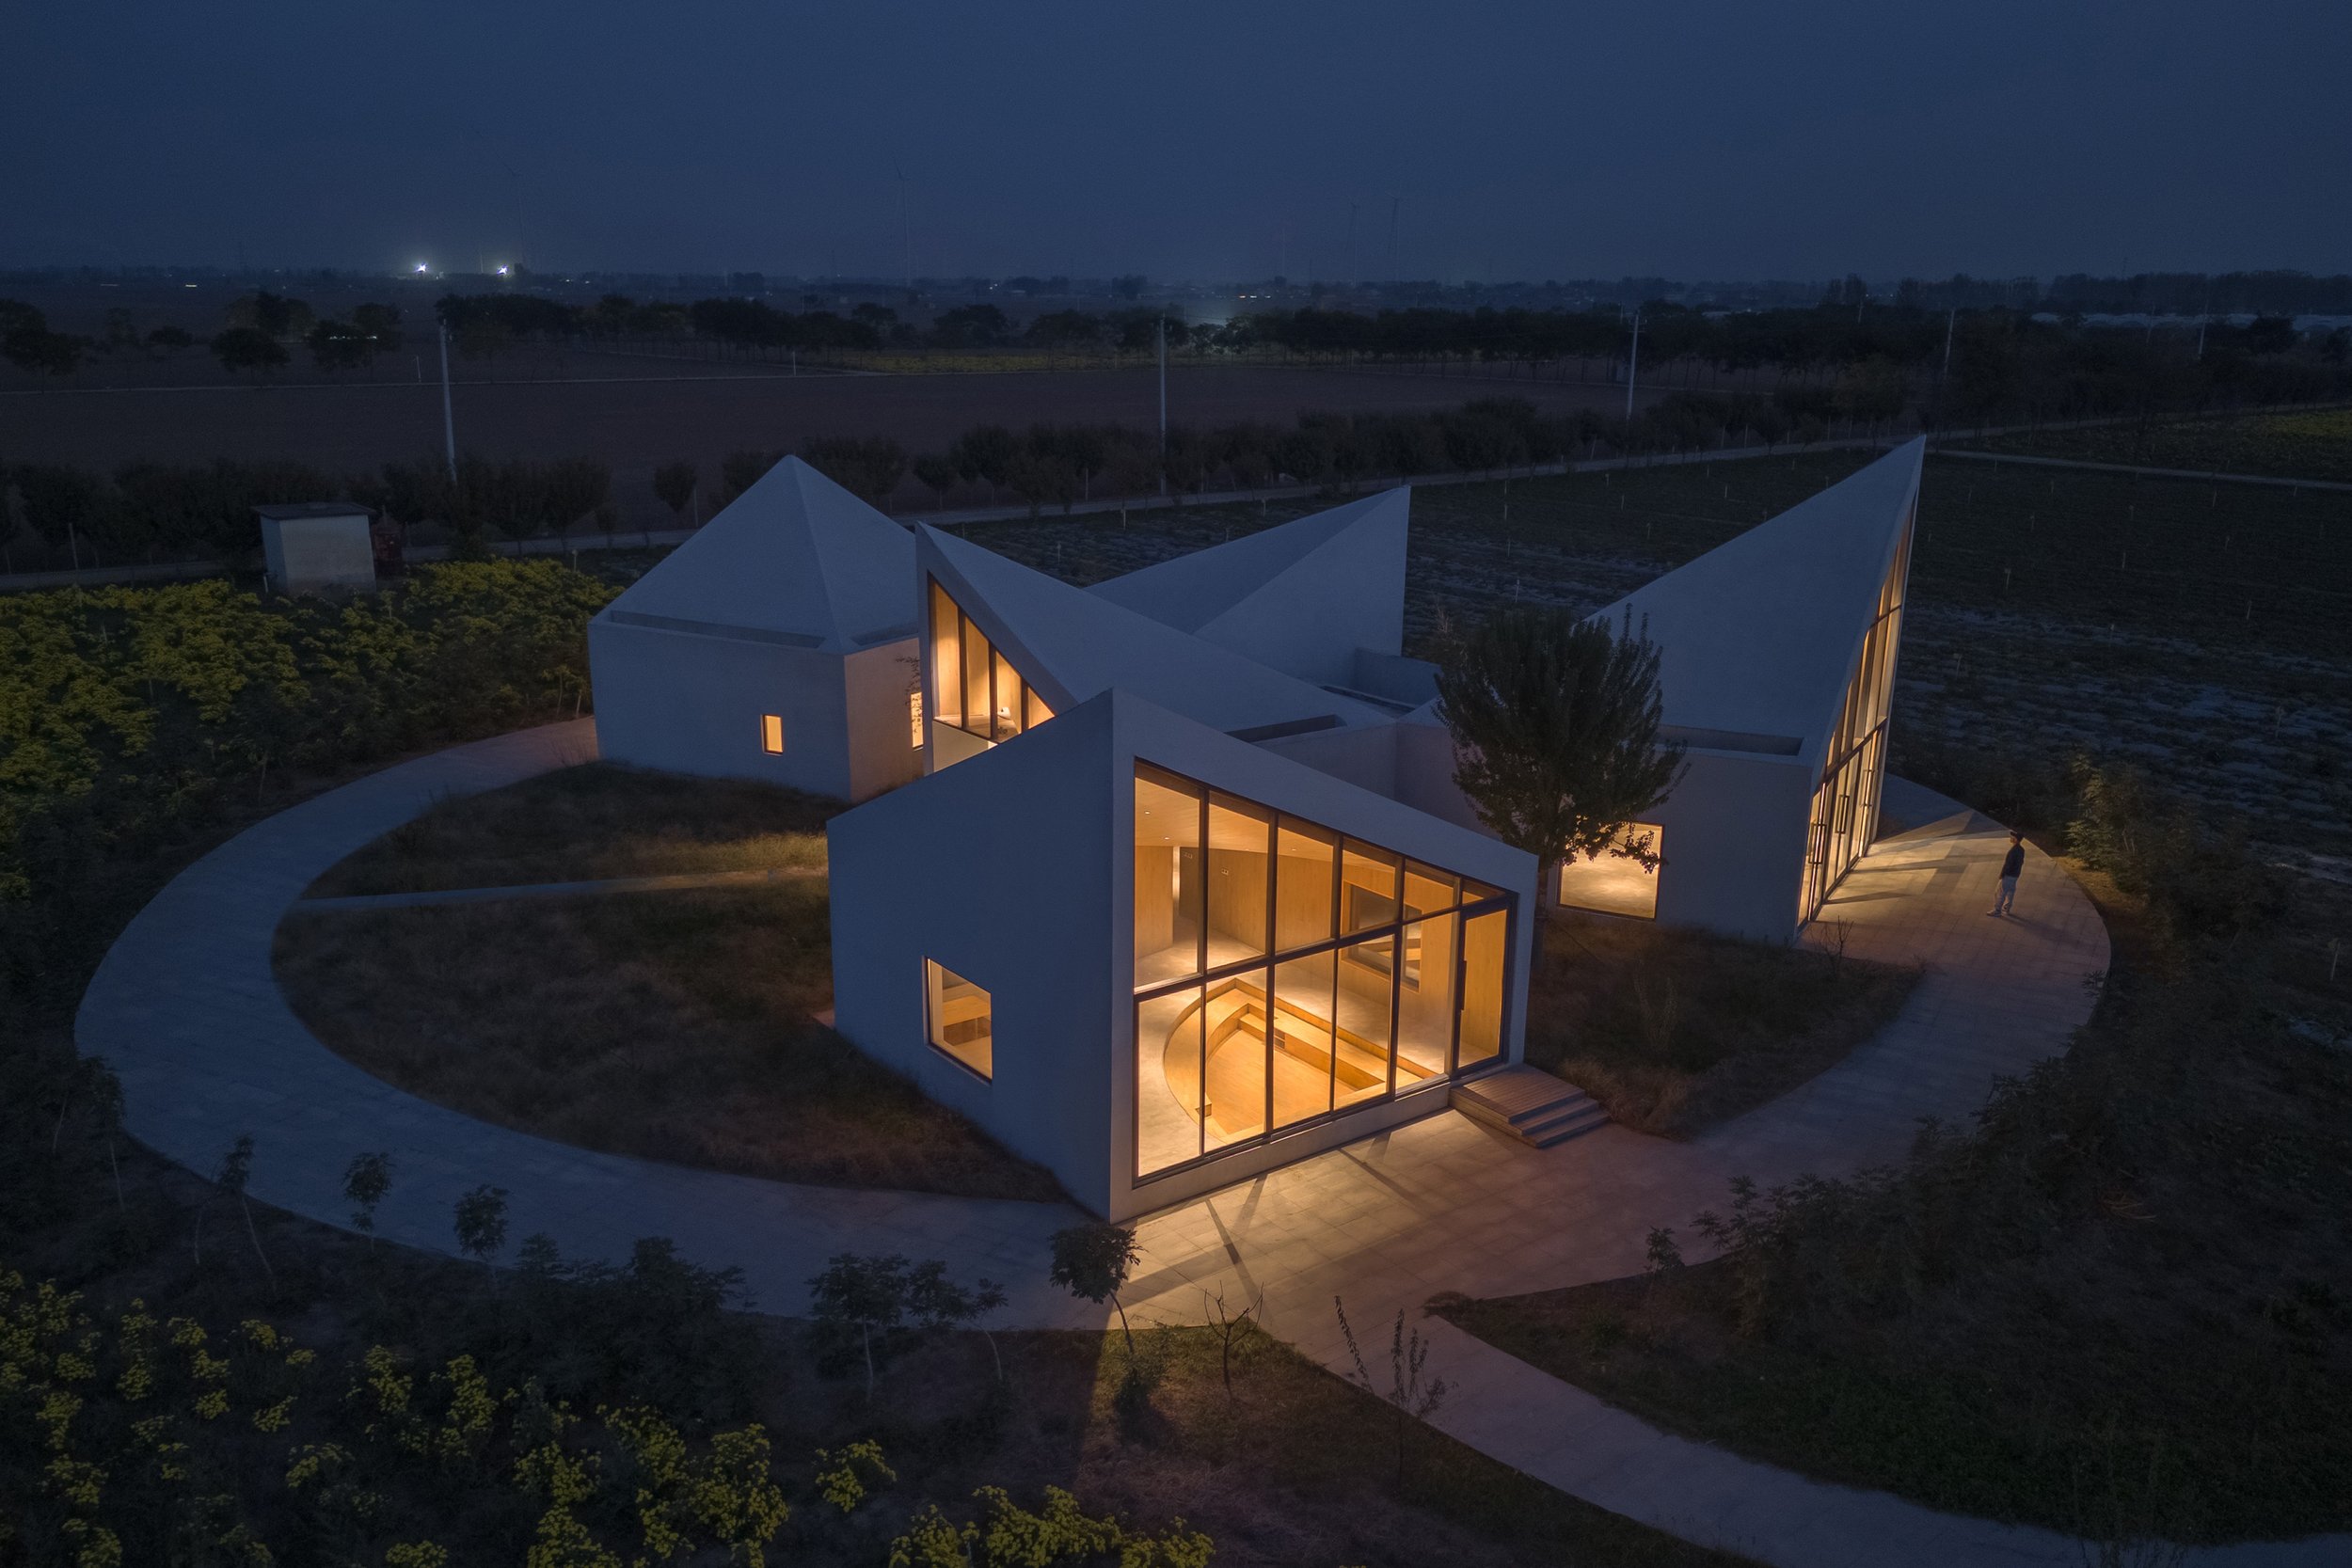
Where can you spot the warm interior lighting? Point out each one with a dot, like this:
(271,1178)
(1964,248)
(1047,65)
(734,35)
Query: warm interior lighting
(960,1018)
(914,717)
(771,733)
(1846,802)
(1359,997)
(976,688)
(1611,883)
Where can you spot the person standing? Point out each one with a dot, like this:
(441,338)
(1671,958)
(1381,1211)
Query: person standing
(2013,867)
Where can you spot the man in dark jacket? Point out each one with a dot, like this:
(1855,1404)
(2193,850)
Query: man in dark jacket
(2013,867)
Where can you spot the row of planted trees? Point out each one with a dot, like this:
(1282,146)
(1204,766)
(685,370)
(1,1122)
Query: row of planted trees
(58,515)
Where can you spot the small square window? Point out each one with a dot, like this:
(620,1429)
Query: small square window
(959,1016)
(771,733)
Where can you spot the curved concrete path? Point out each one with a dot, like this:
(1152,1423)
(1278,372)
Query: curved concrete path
(186,1008)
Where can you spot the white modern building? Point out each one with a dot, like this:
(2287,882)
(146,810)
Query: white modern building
(777,643)
(1187,891)
(1120,928)
(1179,887)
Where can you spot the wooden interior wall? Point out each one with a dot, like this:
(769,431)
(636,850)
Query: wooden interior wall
(1155,904)
(1237,896)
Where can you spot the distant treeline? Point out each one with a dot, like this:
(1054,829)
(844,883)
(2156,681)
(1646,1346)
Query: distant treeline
(151,510)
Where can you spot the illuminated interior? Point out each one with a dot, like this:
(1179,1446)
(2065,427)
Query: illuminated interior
(958,1017)
(1846,803)
(1285,973)
(1612,883)
(771,733)
(974,685)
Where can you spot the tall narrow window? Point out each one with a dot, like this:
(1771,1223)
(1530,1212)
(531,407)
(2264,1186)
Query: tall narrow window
(961,1020)
(914,717)
(771,733)
(946,656)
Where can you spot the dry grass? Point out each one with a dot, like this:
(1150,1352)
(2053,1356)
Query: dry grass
(589,822)
(1675,1030)
(672,1025)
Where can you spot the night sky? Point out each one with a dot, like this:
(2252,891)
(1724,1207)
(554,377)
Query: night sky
(1202,141)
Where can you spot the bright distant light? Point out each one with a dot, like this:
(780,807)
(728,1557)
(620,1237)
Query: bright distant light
(501,272)
(422,267)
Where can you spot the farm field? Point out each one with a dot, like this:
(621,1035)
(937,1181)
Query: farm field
(2203,632)
(2312,444)
(636,413)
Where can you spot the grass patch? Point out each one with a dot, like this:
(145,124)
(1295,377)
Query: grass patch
(587,823)
(1675,1030)
(2119,1306)
(671,1026)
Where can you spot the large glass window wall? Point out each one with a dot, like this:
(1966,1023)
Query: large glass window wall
(1285,973)
(1845,815)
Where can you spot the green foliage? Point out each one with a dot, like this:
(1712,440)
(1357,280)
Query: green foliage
(247,348)
(478,1217)
(366,1182)
(873,1297)
(868,467)
(674,483)
(1011,1536)
(127,715)
(1555,723)
(2198,878)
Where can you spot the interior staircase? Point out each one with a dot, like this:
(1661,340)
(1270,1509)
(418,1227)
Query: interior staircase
(1529,1104)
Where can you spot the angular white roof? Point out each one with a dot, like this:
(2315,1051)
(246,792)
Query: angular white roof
(1758,637)
(1075,645)
(1285,569)
(795,559)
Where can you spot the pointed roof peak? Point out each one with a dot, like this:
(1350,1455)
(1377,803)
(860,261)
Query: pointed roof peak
(794,555)
(1758,636)
(1190,592)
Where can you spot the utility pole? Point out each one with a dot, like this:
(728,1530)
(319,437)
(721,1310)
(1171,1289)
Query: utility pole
(1633,365)
(448,419)
(1950,321)
(1162,327)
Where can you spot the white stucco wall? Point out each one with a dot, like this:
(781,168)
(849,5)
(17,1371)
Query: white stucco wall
(691,703)
(999,868)
(882,750)
(1735,838)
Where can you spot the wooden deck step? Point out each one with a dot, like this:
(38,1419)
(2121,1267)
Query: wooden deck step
(1529,1104)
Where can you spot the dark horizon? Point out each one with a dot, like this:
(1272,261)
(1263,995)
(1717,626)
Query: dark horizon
(921,138)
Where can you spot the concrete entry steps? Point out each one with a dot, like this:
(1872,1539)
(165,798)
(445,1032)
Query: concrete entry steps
(1529,1104)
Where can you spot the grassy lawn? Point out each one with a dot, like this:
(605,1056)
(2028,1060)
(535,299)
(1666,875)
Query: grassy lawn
(589,822)
(673,1025)
(2310,444)
(1675,1030)
(2122,1306)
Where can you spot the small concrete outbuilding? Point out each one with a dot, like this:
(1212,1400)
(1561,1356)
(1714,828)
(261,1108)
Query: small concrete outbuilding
(778,643)
(312,546)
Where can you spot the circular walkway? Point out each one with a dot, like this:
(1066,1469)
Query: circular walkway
(187,1011)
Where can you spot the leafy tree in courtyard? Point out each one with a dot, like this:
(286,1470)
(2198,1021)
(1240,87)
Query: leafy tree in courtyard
(1093,1261)
(1555,723)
